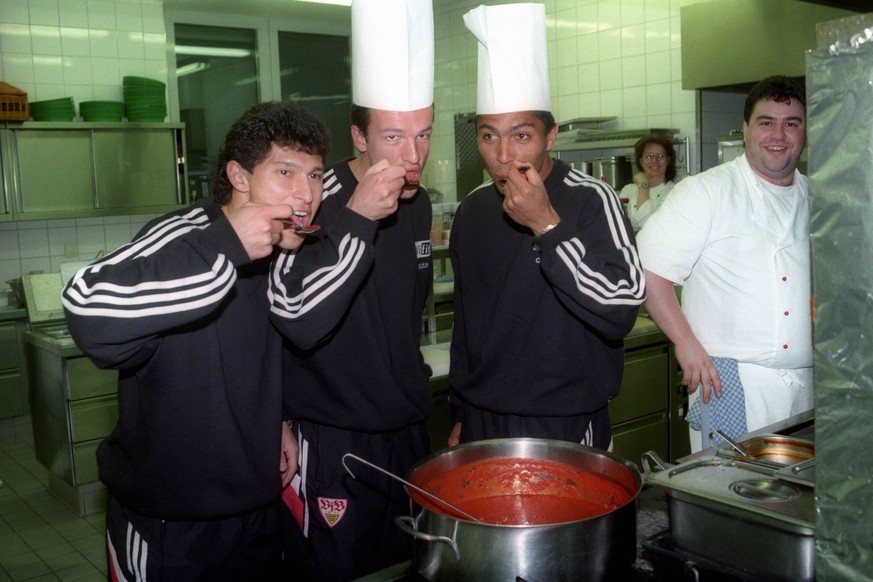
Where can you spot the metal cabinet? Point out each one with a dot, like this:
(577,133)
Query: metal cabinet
(74,407)
(68,170)
(13,390)
(648,413)
(639,414)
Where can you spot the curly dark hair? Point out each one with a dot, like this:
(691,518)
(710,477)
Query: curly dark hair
(778,88)
(252,136)
(662,141)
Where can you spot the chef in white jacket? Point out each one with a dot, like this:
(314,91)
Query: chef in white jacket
(736,238)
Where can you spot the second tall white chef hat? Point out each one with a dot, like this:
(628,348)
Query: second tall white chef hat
(392,54)
(513,61)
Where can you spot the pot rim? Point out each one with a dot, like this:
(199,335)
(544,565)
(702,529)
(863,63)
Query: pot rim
(528,445)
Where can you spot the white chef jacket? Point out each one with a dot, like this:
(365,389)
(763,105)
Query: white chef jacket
(639,216)
(741,250)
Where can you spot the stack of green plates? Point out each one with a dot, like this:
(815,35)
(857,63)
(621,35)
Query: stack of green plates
(144,99)
(61,109)
(101,110)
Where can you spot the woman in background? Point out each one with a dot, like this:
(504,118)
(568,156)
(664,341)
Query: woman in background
(656,162)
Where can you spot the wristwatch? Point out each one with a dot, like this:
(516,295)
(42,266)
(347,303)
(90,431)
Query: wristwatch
(644,184)
(547,228)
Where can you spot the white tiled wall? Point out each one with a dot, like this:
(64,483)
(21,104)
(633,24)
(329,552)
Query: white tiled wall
(80,49)
(40,246)
(606,57)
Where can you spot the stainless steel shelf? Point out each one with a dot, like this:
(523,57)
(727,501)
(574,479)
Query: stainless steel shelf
(600,146)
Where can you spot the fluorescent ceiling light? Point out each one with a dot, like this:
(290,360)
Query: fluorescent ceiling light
(211,51)
(336,2)
(191,68)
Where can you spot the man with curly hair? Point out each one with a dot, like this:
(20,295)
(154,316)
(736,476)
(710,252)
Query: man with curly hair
(181,312)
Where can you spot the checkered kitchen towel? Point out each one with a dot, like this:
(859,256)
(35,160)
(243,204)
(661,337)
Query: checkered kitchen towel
(727,413)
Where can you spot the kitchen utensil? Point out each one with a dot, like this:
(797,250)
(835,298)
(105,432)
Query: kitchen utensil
(779,450)
(602,547)
(739,514)
(62,109)
(102,110)
(802,473)
(430,495)
(586,167)
(300,229)
(731,442)
(617,171)
(796,455)
(144,99)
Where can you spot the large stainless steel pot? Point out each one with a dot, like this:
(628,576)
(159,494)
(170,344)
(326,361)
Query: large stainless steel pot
(599,548)
(617,171)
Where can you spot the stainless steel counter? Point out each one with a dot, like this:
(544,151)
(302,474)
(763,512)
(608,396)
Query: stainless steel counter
(54,339)
(8,313)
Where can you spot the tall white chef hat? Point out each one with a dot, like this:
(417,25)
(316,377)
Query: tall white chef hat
(392,54)
(513,59)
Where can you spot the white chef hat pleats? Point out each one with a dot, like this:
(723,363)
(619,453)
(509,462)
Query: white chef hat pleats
(513,65)
(392,54)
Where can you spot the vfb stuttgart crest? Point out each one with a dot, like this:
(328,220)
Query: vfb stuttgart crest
(332,510)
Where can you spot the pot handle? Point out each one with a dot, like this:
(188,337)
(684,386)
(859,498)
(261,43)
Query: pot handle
(407,524)
(654,458)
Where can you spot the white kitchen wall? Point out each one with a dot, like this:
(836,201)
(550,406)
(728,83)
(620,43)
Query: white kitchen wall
(606,57)
(40,246)
(80,49)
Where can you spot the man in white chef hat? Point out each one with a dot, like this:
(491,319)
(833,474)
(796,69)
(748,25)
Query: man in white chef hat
(351,301)
(547,279)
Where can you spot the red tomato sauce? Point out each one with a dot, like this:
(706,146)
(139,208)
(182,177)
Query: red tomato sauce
(518,491)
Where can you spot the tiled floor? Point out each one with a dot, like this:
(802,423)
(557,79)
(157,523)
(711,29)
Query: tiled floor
(40,538)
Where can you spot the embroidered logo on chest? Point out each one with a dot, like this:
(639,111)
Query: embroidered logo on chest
(332,510)
(422,249)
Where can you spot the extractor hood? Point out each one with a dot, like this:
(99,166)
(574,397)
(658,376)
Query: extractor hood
(737,42)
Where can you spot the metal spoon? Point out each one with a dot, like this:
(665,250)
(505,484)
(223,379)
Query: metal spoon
(300,229)
(408,484)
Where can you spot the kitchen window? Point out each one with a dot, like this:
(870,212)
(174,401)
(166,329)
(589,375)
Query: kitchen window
(220,65)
